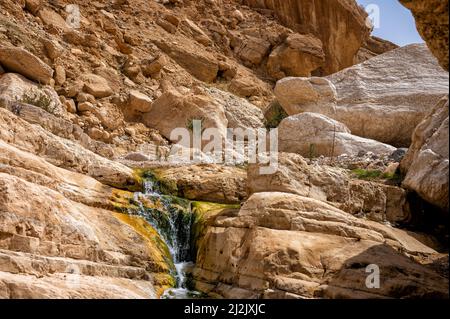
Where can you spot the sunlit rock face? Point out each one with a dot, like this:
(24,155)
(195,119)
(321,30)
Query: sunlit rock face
(339,24)
(432,22)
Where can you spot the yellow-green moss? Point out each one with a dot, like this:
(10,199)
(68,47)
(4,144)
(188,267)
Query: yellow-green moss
(158,251)
(205,213)
(122,201)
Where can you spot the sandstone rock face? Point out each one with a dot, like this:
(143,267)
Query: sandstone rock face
(71,177)
(61,245)
(373,47)
(340,25)
(282,245)
(21,61)
(313,134)
(68,241)
(332,185)
(432,23)
(298,55)
(384,98)
(64,153)
(426,164)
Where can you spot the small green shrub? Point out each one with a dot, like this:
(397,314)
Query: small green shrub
(367,174)
(375,174)
(274,115)
(40,99)
(312,151)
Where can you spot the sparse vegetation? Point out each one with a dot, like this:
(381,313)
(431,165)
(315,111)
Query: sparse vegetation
(312,151)
(367,174)
(40,99)
(374,174)
(275,115)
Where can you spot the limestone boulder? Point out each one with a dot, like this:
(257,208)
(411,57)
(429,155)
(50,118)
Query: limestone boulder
(386,97)
(426,164)
(21,61)
(299,94)
(312,135)
(298,55)
(139,102)
(283,245)
(51,18)
(252,50)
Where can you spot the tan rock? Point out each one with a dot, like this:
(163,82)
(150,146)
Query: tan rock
(200,64)
(313,135)
(96,86)
(298,55)
(51,18)
(426,163)
(244,86)
(191,29)
(111,76)
(239,112)
(432,23)
(64,153)
(176,110)
(211,183)
(33,6)
(253,50)
(139,102)
(70,106)
(15,87)
(396,89)
(340,25)
(298,95)
(53,49)
(332,185)
(73,250)
(292,244)
(152,68)
(21,61)
(383,98)
(60,75)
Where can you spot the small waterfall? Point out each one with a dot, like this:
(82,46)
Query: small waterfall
(173,219)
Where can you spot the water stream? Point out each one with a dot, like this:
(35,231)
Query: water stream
(173,220)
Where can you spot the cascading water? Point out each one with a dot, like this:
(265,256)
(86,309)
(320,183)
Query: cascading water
(172,218)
